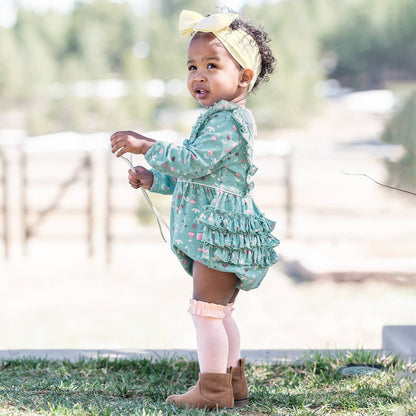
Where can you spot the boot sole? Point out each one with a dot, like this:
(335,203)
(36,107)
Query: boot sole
(241,402)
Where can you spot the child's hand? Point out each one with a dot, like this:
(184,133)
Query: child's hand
(130,142)
(140,176)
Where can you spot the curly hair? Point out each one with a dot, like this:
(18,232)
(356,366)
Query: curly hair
(268,61)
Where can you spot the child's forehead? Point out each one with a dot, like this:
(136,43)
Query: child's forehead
(206,44)
(202,40)
(203,35)
(207,38)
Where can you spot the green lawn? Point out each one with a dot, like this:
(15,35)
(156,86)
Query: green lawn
(314,386)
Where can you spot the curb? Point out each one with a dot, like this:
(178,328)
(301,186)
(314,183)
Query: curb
(252,356)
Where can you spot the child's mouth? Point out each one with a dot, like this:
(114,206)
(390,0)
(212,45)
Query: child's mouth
(201,93)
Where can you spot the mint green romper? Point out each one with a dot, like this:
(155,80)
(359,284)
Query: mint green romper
(214,220)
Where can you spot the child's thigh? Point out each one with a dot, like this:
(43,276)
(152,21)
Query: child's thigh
(213,286)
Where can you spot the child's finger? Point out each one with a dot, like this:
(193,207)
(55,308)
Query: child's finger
(117,136)
(135,184)
(120,151)
(115,142)
(119,144)
(133,175)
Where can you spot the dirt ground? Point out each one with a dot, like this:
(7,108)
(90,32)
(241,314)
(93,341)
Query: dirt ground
(58,297)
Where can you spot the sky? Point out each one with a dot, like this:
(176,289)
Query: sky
(8,7)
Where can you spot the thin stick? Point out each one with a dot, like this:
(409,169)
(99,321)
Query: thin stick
(158,216)
(378,183)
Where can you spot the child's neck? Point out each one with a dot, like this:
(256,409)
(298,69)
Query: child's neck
(241,101)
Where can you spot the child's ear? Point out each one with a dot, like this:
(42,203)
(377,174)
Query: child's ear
(246,75)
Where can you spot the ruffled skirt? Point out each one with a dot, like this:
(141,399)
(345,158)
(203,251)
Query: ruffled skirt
(225,232)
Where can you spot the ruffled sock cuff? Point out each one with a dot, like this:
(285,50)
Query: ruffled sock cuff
(210,310)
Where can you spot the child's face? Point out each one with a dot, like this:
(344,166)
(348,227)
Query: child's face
(213,74)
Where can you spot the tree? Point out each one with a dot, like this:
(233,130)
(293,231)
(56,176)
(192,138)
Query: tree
(373,41)
(402,130)
(11,68)
(99,36)
(289,95)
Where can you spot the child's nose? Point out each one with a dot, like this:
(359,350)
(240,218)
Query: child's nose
(200,76)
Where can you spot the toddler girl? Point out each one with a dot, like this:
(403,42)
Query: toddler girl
(218,233)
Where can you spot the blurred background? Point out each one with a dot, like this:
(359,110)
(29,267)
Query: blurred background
(82,263)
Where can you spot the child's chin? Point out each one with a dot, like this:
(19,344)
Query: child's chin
(206,103)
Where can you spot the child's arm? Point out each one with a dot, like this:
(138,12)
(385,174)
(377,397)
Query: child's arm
(211,150)
(152,180)
(130,142)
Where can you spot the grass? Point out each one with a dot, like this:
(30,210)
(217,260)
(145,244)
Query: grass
(104,387)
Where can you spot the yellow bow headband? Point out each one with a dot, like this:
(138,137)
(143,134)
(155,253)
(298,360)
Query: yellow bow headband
(238,43)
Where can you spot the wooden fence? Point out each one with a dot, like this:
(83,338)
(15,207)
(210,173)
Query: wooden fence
(34,208)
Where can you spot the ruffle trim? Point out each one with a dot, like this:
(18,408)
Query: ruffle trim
(235,222)
(237,113)
(210,310)
(238,238)
(243,257)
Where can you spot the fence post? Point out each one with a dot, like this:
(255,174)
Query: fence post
(289,193)
(108,209)
(23,199)
(4,182)
(89,208)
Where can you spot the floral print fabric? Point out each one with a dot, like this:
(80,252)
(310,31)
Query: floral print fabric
(214,220)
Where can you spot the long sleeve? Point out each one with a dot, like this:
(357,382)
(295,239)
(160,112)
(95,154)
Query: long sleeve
(199,157)
(162,183)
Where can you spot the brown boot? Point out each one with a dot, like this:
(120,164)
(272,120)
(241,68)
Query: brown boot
(212,390)
(239,383)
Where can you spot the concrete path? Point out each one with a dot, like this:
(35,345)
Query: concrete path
(253,356)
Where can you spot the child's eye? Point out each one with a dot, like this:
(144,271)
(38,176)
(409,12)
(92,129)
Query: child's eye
(212,66)
(191,68)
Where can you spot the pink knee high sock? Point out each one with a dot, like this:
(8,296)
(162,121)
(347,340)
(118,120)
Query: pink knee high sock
(211,336)
(233,335)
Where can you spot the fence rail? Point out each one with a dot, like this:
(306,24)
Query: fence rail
(40,194)
(30,228)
